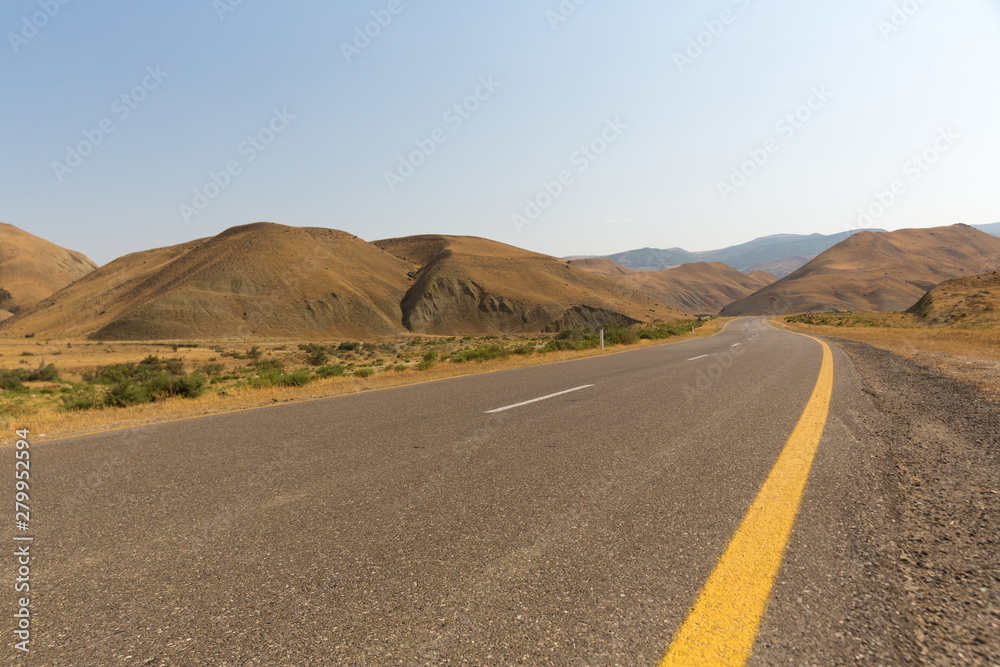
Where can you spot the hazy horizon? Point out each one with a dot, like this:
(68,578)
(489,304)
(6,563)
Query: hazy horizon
(568,128)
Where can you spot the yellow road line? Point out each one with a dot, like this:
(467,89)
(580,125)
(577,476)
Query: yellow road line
(722,626)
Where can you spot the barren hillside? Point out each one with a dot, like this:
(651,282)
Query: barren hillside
(256,280)
(268,280)
(32,269)
(877,271)
(971,301)
(475,285)
(698,288)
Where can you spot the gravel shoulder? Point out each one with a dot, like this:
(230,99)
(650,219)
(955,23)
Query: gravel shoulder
(938,442)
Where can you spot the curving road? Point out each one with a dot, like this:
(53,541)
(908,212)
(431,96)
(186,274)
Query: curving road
(562,514)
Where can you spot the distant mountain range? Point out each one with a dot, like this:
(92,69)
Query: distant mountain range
(993,229)
(780,254)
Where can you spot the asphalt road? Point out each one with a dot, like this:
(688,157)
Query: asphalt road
(414,526)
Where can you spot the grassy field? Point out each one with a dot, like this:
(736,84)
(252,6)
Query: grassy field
(970,353)
(57,388)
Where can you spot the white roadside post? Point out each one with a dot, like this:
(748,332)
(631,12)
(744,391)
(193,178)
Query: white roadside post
(602,339)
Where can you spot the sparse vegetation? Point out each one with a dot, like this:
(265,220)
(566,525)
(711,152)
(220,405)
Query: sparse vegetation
(155,384)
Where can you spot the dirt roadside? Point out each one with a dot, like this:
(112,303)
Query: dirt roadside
(941,443)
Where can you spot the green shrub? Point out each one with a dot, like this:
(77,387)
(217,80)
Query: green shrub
(574,338)
(620,336)
(481,354)
(316,356)
(349,346)
(212,370)
(188,386)
(330,371)
(125,393)
(86,399)
(265,379)
(10,381)
(273,378)
(364,373)
(298,378)
(254,353)
(268,365)
(425,365)
(668,330)
(174,366)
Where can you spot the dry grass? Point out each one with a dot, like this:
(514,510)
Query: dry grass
(46,421)
(969,354)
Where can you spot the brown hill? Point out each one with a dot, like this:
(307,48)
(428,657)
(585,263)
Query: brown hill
(876,271)
(473,285)
(32,269)
(268,280)
(263,280)
(971,301)
(698,288)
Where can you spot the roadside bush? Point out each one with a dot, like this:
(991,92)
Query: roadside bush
(317,357)
(265,379)
(125,393)
(144,371)
(86,399)
(425,365)
(620,336)
(349,346)
(481,354)
(273,378)
(364,373)
(212,370)
(574,338)
(668,330)
(298,378)
(10,381)
(268,365)
(188,386)
(330,371)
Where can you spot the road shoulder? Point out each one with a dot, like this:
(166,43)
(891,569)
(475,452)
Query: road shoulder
(896,553)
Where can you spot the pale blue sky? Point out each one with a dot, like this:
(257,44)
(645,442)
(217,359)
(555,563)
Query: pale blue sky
(678,127)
